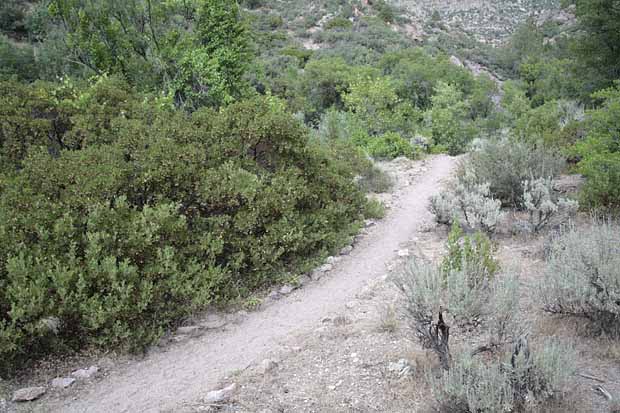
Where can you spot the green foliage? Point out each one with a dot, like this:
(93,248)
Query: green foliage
(338,23)
(17,61)
(448,116)
(374,209)
(596,45)
(130,218)
(149,45)
(472,253)
(600,152)
(390,145)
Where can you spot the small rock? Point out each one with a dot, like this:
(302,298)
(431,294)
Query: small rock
(346,250)
(268,365)
(274,296)
(369,223)
(221,395)
(326,320)
(28,394)
(62,382)
(403,253)
(304,279)
(189,330)
(286,289)
(85,373)
(316,275)
(350,305)
(326,268)
(333,260)
(214,322)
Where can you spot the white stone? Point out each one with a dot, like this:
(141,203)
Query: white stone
(28,394)
(268,365)
(62,382)
(346,250)
(403,253)
(221,395)
(85,373)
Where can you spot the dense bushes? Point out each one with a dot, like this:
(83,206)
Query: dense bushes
(600,152)
(130,219)
(583,275)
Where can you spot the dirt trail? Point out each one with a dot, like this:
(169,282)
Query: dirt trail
(163,381)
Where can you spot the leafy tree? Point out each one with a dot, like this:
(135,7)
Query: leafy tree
(448,116)
(196,51)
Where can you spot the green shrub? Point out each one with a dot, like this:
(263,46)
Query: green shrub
(471,253)
(375,180)
(144,216)
(338,23)
(600,152)
(504,164)
(390,145)
(602,188)
(374,209)
(582,276)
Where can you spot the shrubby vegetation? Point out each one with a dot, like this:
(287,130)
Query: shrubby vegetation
(582,277)
(468,291)
(119,215)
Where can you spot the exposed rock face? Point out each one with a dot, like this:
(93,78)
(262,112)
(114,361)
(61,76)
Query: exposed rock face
(489,21)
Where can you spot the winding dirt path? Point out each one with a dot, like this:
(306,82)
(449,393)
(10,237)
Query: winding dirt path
(163,381)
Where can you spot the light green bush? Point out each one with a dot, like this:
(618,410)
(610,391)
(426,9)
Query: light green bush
(543,206)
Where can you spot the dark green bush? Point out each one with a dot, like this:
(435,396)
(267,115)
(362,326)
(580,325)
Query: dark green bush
(128,220)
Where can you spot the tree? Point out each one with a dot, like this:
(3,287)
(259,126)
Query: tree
(195,51)
(447,115)
(598,43)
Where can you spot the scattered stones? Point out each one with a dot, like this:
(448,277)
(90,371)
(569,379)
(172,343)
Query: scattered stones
(86,373)
(62,382)
(326,268)
(221,395)
(268,366)
(28,394)
(286,289)
(346,250)
(403,253)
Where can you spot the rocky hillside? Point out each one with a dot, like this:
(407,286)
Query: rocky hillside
(488,21)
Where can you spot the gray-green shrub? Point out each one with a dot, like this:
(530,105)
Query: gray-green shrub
(525,379)
(543,206)
(467,201)
(582,276)
(505,163)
